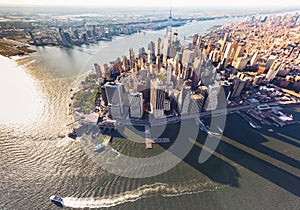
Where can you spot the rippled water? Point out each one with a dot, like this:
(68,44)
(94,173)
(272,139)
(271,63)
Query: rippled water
(249,170)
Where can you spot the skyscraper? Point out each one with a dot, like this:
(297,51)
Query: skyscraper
(168,39)
(169,73)
(98,70)
(240,63)
(115,94)
(211,102)
(157,97)
(270,61)
(254,58)
(187,57)
(238,86)
(224,42)
(158,47)
(184,99)
(227,53)
(273,70)
(136,105)
(131,58)
(284,70)
(64,39)
(239,51)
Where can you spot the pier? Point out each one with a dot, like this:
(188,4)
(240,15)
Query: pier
(148,139)
(251,122)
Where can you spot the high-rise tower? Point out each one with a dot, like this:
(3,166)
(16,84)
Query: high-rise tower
(136,105)
(273,70)
(157,98)
(168,38)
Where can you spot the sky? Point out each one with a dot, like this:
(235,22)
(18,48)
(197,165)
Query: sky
(157,3)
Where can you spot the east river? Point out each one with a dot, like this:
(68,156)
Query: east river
(250,169)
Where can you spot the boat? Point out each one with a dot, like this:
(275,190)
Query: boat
(221,130)
(72,134)
(57,200)
(254,125)
(100,148)
(203,127)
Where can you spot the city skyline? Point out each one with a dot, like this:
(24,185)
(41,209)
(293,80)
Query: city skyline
(148,107)
(155,3)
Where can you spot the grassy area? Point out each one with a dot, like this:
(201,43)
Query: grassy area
(92,78)
(84,100)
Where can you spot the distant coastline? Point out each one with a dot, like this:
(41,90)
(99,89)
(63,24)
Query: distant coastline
(10,48)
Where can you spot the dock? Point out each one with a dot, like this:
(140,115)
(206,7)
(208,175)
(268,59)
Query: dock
(259,117)
(148,139)
(251,122)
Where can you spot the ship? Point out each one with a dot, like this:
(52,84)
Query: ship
(57,200)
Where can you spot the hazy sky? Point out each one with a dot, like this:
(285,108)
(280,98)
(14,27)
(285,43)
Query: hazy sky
(156,3)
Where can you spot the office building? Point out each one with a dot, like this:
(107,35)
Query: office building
(65,38)
(240,63)
(115,111)
(187,57)
(270,61)
(184,99)
(136,108)
(273,70)
(211,102)
(157,97)
(158,47)
(115,94)
(238,86)
(98,70)
(132,58)
(239,51)
(283,70)
(254,59)
(259,79)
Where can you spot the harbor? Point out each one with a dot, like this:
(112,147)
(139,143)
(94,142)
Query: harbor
(267,115)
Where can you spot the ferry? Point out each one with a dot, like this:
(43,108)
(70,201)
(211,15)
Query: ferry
(57,200)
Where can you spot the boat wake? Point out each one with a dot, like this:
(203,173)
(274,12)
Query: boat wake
(146,191)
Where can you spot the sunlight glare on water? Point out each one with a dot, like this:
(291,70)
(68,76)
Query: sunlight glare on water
(20,101)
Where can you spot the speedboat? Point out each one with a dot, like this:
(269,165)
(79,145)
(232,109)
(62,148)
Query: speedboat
(72,134)
(57,200)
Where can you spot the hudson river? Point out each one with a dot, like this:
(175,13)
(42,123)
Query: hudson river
(250,169)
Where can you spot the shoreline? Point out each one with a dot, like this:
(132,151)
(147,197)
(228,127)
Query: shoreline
(10,48)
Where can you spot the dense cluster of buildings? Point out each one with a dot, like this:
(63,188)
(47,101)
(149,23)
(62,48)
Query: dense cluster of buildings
(66,31)
(232,66)
(264,49)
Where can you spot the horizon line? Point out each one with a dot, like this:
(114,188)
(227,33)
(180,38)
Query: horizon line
(157,6)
